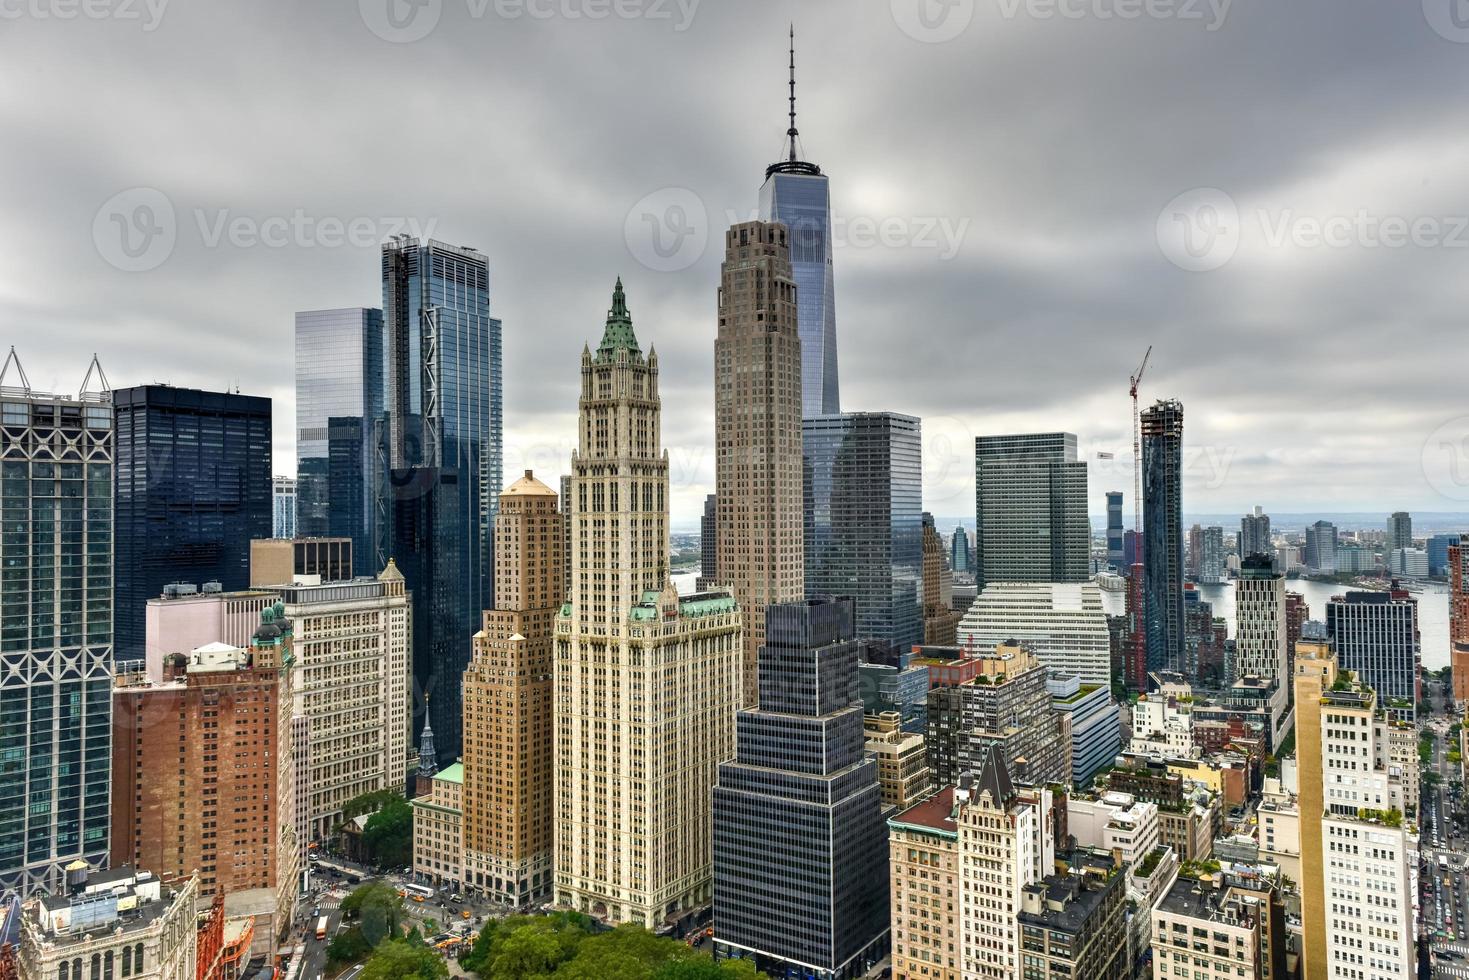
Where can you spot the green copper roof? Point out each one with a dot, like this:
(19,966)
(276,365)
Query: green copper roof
(453,774)
(618,335)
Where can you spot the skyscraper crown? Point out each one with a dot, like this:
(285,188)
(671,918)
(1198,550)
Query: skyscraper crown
(618,334)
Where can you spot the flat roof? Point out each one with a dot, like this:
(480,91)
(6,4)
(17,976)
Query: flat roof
(934,813)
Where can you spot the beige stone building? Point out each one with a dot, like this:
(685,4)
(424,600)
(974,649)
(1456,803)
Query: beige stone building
(508,730)
(353,692)
(119,924)
(438,827)
(757,423)
(923,868)
(902,760)
(647,682)
(940,621)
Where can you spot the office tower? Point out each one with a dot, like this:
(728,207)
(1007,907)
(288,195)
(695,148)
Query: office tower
(282,561)
(203,779)
(1438,554)
(444,429)
(647,681)
(1399,531)
(800,876)
(864,519)
(508,727)
(939,618)
(1073,925)
(1031,522)
(1065,625)
(1254,535)
(438,828)
(1093,721)
(56,457)
(1353,558)
(757,419)
(960,558)
(1458,566)
(1131,551)
(796,193)
(1115,556)
(1243,915)
(903,774)
(1006,840)
(283,507)
(1193,553)
(340,471)
(1320,555)
(1205,638)
(192,490)
(1408,562)
(1356,885)
(1375,635)
(1296,615)
(708,542)
(900,688)
(353,692)
(124,921)
(1005,706)
(1261,641)
(1162,438)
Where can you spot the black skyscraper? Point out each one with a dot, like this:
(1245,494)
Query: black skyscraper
(1162,437)
(192,489)
(800,853)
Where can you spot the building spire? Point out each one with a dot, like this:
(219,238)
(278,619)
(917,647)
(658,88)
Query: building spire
(427,759)
(618,334)
(791,133)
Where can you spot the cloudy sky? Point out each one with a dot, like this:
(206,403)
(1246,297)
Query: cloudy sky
(1027,194)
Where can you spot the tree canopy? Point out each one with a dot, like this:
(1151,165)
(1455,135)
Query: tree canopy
(388,835)
(378,908)
(398,960)
(564,946)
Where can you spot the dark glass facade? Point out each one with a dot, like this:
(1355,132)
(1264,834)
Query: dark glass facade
(193,488)
(339,399)
(800,855)
(1115,556)
(1162,439)
(863,517)
(802,201)
(443,456)
(55,636)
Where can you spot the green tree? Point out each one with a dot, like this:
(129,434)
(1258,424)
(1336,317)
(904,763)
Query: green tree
(396,960)
(388,835)
(378,908)
(626,953)
(368,802)
(534,950)
(347,947)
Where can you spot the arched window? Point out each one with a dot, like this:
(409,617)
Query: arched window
(107,966)
(64,973)
(96,966)
(127,961)
(138,958)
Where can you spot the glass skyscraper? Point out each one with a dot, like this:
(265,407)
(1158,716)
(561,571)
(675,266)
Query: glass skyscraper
(1162,443)
(55,634)
(1030,509)
(863,519)
(193,489)
(443,458)
(798,194)
(339,401)
(800,867)
(1114,529)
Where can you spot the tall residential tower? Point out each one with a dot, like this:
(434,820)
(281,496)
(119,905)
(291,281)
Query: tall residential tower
(1162,438)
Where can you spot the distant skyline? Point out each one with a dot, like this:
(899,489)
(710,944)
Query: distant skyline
(1021,205)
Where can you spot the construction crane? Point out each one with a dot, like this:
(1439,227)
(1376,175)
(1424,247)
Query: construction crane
(1137,449)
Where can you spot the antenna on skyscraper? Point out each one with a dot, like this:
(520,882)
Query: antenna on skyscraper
(88,394)
(791,133)
(25,383)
